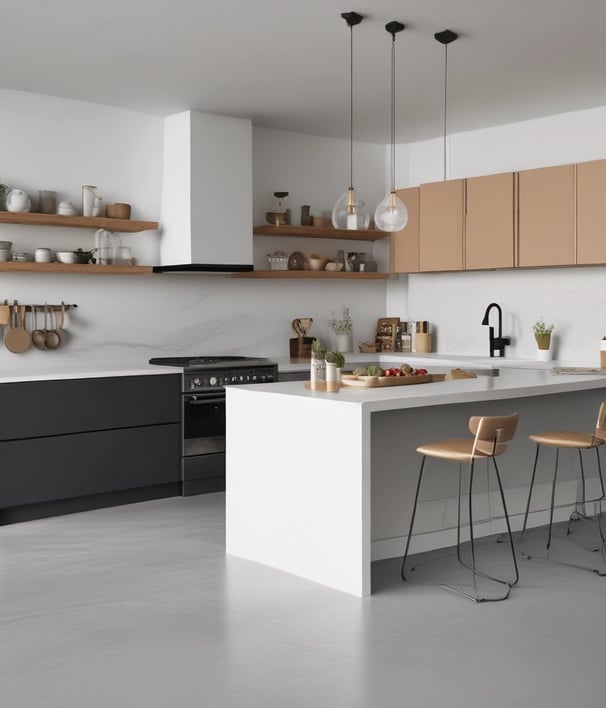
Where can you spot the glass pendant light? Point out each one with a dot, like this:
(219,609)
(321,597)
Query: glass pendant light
(445,37)
(350,212)
(392,214)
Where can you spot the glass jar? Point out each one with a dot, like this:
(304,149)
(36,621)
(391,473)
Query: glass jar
(317,371)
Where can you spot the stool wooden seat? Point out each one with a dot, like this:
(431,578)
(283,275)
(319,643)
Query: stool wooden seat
(492,435)
(574,440)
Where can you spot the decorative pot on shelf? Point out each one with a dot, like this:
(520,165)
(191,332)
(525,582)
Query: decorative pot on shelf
(603,354)
(343,342)
(543,347)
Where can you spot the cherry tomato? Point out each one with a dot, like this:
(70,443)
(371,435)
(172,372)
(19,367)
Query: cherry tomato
(420,372)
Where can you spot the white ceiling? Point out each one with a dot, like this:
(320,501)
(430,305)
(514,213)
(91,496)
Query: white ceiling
(285,64)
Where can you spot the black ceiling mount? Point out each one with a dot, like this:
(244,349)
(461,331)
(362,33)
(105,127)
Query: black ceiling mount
(446,36)
(394,27)
(352,18)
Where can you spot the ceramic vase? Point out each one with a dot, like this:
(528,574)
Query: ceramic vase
(343,342)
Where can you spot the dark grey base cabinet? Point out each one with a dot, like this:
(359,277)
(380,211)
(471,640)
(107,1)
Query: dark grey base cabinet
(87,439)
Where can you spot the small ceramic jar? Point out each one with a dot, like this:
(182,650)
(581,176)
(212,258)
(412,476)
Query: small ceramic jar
(42,255)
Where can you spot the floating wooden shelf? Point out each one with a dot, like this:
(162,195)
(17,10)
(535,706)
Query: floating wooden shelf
(311,274)
(88,268)
(77,222)
(320,232)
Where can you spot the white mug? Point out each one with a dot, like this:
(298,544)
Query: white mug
(42,255)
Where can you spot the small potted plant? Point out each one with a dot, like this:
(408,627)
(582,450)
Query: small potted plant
(342,329)
(334,364)
(83,256)
(542,334)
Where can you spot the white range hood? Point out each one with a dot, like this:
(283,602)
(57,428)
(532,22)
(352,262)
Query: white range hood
(206,213)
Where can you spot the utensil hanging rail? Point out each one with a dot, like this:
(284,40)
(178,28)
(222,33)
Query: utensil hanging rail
(54,308)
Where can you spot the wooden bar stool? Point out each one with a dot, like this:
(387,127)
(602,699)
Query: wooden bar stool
(492,435)
(579,441)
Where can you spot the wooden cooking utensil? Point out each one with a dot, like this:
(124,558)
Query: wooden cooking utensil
(17,340)
(53,338)
(38,335)
(5,315)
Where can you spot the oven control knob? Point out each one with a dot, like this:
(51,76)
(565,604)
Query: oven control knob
(213,381)
(195,382)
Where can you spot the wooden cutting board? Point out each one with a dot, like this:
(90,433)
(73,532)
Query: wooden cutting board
(378,381)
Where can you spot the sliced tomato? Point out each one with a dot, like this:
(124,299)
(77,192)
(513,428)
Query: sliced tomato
(420,372)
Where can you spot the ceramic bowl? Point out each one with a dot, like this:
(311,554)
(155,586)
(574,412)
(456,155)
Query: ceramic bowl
(66,257)
(317,262)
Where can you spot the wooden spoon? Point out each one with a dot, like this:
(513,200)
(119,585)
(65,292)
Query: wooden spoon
(17,340)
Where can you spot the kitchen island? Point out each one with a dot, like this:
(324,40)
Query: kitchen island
(320,484)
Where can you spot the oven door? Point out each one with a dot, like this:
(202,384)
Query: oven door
(203,463)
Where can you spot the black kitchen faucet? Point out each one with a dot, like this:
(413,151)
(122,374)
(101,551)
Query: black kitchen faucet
(498,343)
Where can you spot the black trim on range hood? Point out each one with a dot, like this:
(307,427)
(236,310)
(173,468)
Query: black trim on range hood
(203,268)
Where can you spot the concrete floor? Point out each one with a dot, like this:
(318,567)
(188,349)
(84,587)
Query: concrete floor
(137,606)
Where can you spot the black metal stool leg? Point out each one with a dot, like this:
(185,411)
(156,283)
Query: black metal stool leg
(534,472)
(510,535)
(412,519)
(552,504)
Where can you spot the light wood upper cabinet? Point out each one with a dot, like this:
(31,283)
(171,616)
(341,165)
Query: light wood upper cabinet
(404,247)
(546,216)
(591,227)
(441,206)
(490,222)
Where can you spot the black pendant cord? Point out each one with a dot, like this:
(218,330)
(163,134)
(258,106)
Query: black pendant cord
(393,28)
(351,106)
(445,37)
(393,113)
(352,19)
(445,102)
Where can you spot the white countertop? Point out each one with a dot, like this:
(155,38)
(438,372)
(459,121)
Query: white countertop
(90,370)
(435,363)
(511,383)
(429,361)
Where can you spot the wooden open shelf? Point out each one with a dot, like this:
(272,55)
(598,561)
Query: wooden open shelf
(311,274)
(88,268)
(320,232)
(77,222)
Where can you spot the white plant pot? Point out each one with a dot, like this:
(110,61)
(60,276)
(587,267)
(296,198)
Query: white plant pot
(343,342)
(543,354)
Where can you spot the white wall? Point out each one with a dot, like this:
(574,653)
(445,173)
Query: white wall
(572,298)
(51,143)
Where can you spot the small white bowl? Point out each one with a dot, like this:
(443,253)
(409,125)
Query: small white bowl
(317,262)
(66,257)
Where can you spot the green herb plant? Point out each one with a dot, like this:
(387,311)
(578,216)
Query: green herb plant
(342,326)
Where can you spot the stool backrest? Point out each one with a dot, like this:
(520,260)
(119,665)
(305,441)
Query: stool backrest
(493,433)
(600,426)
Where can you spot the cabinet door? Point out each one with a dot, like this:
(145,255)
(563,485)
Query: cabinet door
(404,247)
(489,222)
(546,216)
(68,466)
(441,225)
(591,230)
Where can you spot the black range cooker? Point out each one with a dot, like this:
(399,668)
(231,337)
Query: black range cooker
(203,412)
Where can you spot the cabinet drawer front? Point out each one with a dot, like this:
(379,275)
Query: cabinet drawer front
(90,463)
(41,408)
